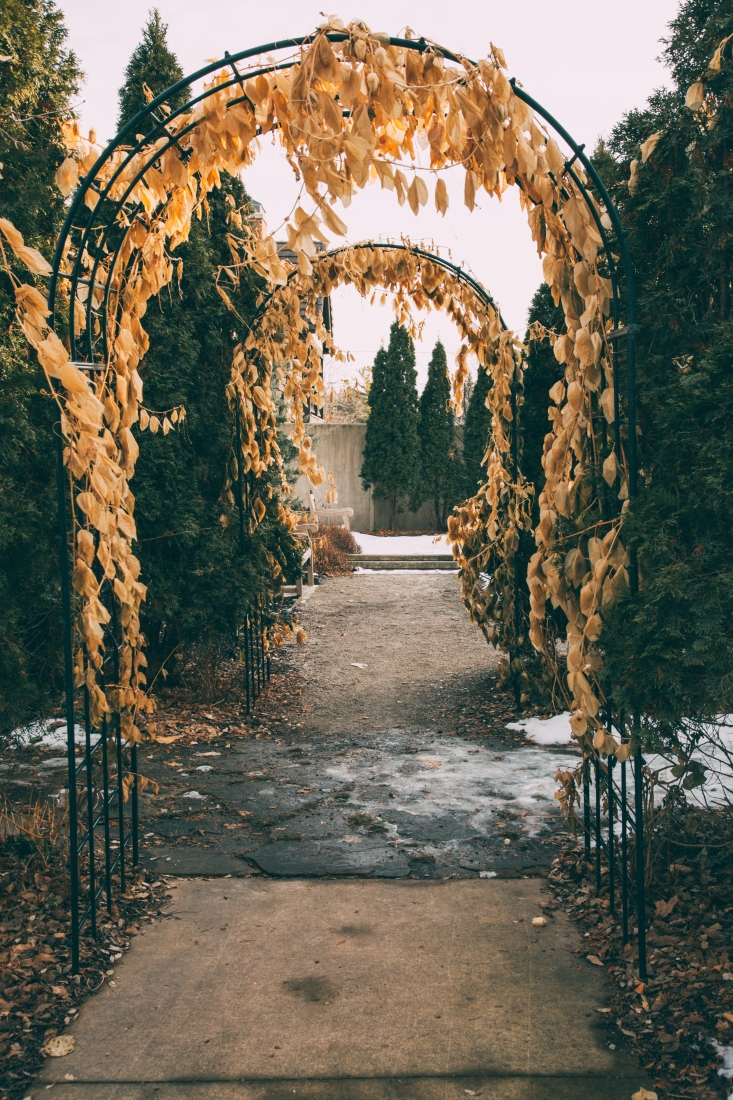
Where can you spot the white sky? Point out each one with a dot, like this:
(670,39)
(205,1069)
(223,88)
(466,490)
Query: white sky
(586,61)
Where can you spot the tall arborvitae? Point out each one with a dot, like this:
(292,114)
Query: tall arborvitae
(198,581)
(476,433)
(669,653)
(391,461)
(541,372)
(151,69)
(37,87)
(441,468)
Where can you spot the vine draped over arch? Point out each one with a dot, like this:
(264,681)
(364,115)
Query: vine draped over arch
(348,107)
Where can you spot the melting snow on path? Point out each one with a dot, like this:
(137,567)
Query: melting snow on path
(401,545)
(458,779)
(546,731)
(50,733)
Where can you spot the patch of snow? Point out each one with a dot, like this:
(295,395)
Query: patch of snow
(480,785)
(726,1053)
(487,874)
(391,572)
(545,731)
(204,768)
(50,732)
(193,794)
(400,545)
(715,751)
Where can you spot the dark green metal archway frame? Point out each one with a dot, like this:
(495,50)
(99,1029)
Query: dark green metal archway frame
(96,233)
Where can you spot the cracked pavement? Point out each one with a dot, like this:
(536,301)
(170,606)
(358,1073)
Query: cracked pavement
(379,749)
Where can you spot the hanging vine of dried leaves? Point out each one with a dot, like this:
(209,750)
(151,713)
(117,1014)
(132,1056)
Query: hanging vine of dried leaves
(346,113)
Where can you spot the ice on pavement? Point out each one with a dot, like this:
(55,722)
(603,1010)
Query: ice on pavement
(545,731)
(401,545)
(467,781)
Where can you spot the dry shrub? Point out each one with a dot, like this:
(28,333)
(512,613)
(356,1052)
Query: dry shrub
(330,549)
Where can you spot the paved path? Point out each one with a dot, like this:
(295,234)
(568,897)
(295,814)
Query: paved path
(354,989)
(356,954)
(365,773)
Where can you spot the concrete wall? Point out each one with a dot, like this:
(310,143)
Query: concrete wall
(339,449)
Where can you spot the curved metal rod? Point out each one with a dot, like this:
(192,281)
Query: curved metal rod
(433,257)
(230,61)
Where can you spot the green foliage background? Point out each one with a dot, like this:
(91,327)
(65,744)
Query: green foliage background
(199,581)
(391,461)
(441,467)
(37,90)
(669,653)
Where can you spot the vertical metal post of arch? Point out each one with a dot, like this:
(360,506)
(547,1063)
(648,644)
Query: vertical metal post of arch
(102,837)
(622,339)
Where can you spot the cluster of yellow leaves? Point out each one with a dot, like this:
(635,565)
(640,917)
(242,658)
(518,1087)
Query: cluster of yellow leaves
(485,530)
(101,464)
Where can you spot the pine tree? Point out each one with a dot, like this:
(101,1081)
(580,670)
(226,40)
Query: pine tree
(541,371)
(391,461)
(669,652)
(476,433)
(37,88)
(151,66)
(441,468)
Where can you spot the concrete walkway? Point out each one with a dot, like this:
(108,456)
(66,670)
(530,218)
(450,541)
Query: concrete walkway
(354,989)
(421,981)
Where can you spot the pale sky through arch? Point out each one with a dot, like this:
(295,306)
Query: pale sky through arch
(586,61)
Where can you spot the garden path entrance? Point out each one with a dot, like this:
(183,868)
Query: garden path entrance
(355,952)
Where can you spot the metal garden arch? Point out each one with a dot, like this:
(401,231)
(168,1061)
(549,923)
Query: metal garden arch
(95,226)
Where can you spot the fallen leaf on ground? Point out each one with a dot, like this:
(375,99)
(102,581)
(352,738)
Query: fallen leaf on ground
(431,763)
(539,922)
(664,908)
(59,1046)
(644,1094)
(594,959)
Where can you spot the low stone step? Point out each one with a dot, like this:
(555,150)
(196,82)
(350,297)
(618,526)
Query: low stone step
(403,557)
(443,562)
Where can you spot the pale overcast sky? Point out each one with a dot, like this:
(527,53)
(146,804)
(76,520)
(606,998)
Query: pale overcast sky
(586,61)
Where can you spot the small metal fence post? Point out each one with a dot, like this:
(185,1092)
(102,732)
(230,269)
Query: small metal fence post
(611,853)
(245,635)
(134,807)
(69,702)
(90,814)
(597,778)
(586,807)
(624,858)
(640,861)
(105,796)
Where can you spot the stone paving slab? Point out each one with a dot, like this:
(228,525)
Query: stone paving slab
(395,1088)
(349,989)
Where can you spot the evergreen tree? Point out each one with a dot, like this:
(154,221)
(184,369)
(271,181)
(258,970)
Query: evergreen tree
(541,372)
(669,652)
(37,87)
(391,461)
(151,66)
(441,468)
(476,433)
(199,583)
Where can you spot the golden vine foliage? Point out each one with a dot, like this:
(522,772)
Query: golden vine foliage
(346,112)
